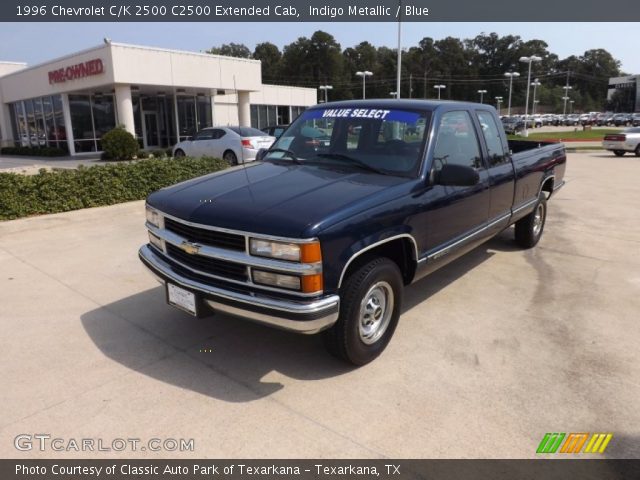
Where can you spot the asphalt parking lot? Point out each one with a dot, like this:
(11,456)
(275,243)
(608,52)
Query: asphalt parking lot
(492,351)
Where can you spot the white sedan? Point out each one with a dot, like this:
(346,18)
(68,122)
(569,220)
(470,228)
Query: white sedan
(628,140)
(233,144)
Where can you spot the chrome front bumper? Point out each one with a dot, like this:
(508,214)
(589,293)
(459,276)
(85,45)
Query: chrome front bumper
(306,317)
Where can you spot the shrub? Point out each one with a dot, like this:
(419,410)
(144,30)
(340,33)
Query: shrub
(64,190)
(34,151)
(118,144)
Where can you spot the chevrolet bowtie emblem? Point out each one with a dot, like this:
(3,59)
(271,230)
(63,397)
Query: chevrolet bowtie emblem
(190,248)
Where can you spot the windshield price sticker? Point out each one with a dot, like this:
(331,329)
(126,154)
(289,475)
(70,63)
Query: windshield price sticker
(370,113)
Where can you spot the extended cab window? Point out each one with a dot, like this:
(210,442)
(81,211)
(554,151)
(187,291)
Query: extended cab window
(492,139)
(456,142)
(383,140)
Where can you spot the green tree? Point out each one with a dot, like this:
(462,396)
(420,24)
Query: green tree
(231,50)
(271,59)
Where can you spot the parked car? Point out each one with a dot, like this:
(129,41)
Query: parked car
(233,144)
(635,120)
(324,239)
(512,125)
(628,140)
(571,120)
(275,130)
(602,119)
(622,119)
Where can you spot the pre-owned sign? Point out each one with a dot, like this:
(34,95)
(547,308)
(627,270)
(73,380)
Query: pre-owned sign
(73,72)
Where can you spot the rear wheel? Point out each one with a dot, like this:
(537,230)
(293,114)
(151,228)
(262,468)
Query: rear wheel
(370,302)
(637,151)
(179,153)
(230,158)
(618,153)
(529,229)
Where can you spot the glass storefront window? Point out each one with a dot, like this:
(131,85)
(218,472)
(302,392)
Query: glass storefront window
(59,134)
(186,116)
(81,122)
(204,112)
(104,115)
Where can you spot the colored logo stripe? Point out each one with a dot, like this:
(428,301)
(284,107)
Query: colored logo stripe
(550,443)
(574,442)
(598,443)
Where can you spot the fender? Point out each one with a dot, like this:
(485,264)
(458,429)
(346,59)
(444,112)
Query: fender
(373,245)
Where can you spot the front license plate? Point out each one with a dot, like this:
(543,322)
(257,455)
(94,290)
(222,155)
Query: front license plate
(181,298)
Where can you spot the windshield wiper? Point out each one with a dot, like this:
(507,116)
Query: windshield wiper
(353,160)
(289,153)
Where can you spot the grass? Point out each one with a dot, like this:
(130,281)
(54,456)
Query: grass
(580,135)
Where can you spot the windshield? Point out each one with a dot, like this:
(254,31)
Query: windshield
(385,141)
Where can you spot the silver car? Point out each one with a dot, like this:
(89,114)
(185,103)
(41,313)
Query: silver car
(233,144)
(628,140)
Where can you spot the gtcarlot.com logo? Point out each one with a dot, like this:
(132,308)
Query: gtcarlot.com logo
(575,443)
(44,442)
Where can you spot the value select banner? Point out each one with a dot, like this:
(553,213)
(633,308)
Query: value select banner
(319,11)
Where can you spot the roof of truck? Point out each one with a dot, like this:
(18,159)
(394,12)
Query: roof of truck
(414,104)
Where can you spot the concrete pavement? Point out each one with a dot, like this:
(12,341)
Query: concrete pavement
(492,351)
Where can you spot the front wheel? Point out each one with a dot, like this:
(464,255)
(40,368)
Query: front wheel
(637,151)
(618,153)
(529,229)
(370,303)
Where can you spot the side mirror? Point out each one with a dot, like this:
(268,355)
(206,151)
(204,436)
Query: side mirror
(260,155)
(457,176)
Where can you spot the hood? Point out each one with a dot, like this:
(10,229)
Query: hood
(282,199)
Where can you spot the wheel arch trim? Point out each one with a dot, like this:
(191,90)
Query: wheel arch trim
(377,244)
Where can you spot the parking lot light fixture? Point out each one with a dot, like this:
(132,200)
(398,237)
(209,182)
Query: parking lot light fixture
(364,74)
(498,102)
(510,76)
(566,89)
(530,61)
(535,84)
(482,92)
(439,87)
(393,94)
(326,88)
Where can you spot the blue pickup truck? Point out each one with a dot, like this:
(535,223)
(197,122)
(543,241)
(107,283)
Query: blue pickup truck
(354,201)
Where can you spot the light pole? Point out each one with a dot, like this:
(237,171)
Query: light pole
(566,89)
(439,87)
(510,75)
(530,61)
(535,84)
(498,101)
(364,76)
(399,61)
(482,92)
(571,102)
(325,88)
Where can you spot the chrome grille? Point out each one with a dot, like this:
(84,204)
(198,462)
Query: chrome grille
(229,241)
(212,266)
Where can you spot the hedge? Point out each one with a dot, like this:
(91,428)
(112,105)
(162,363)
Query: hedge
(64,190)
(34,151)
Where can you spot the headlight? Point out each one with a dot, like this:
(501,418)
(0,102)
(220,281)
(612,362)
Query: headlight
(153,217)
(276,280)
(304,252)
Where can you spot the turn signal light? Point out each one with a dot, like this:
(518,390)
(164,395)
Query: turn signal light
(312,283)
(310,252)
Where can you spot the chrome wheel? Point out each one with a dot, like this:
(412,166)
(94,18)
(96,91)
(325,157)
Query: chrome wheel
(538,220)
(376,310)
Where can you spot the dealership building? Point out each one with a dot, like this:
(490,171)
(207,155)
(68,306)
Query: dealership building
(628,87)
(161,96)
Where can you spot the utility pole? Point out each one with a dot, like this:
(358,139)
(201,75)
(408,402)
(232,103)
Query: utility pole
(399,64)
(411,85)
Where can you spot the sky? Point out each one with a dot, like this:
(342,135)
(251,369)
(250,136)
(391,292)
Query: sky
(38,42)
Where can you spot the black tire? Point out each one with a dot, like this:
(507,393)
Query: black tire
(619,153)
(637,151)
(364,329)
(230,158)
(529,229)
(179,153)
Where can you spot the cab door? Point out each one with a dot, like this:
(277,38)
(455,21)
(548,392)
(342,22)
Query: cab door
(456,213)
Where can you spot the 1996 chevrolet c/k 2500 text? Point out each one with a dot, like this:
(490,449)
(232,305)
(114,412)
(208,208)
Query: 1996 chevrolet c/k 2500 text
(354,201)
